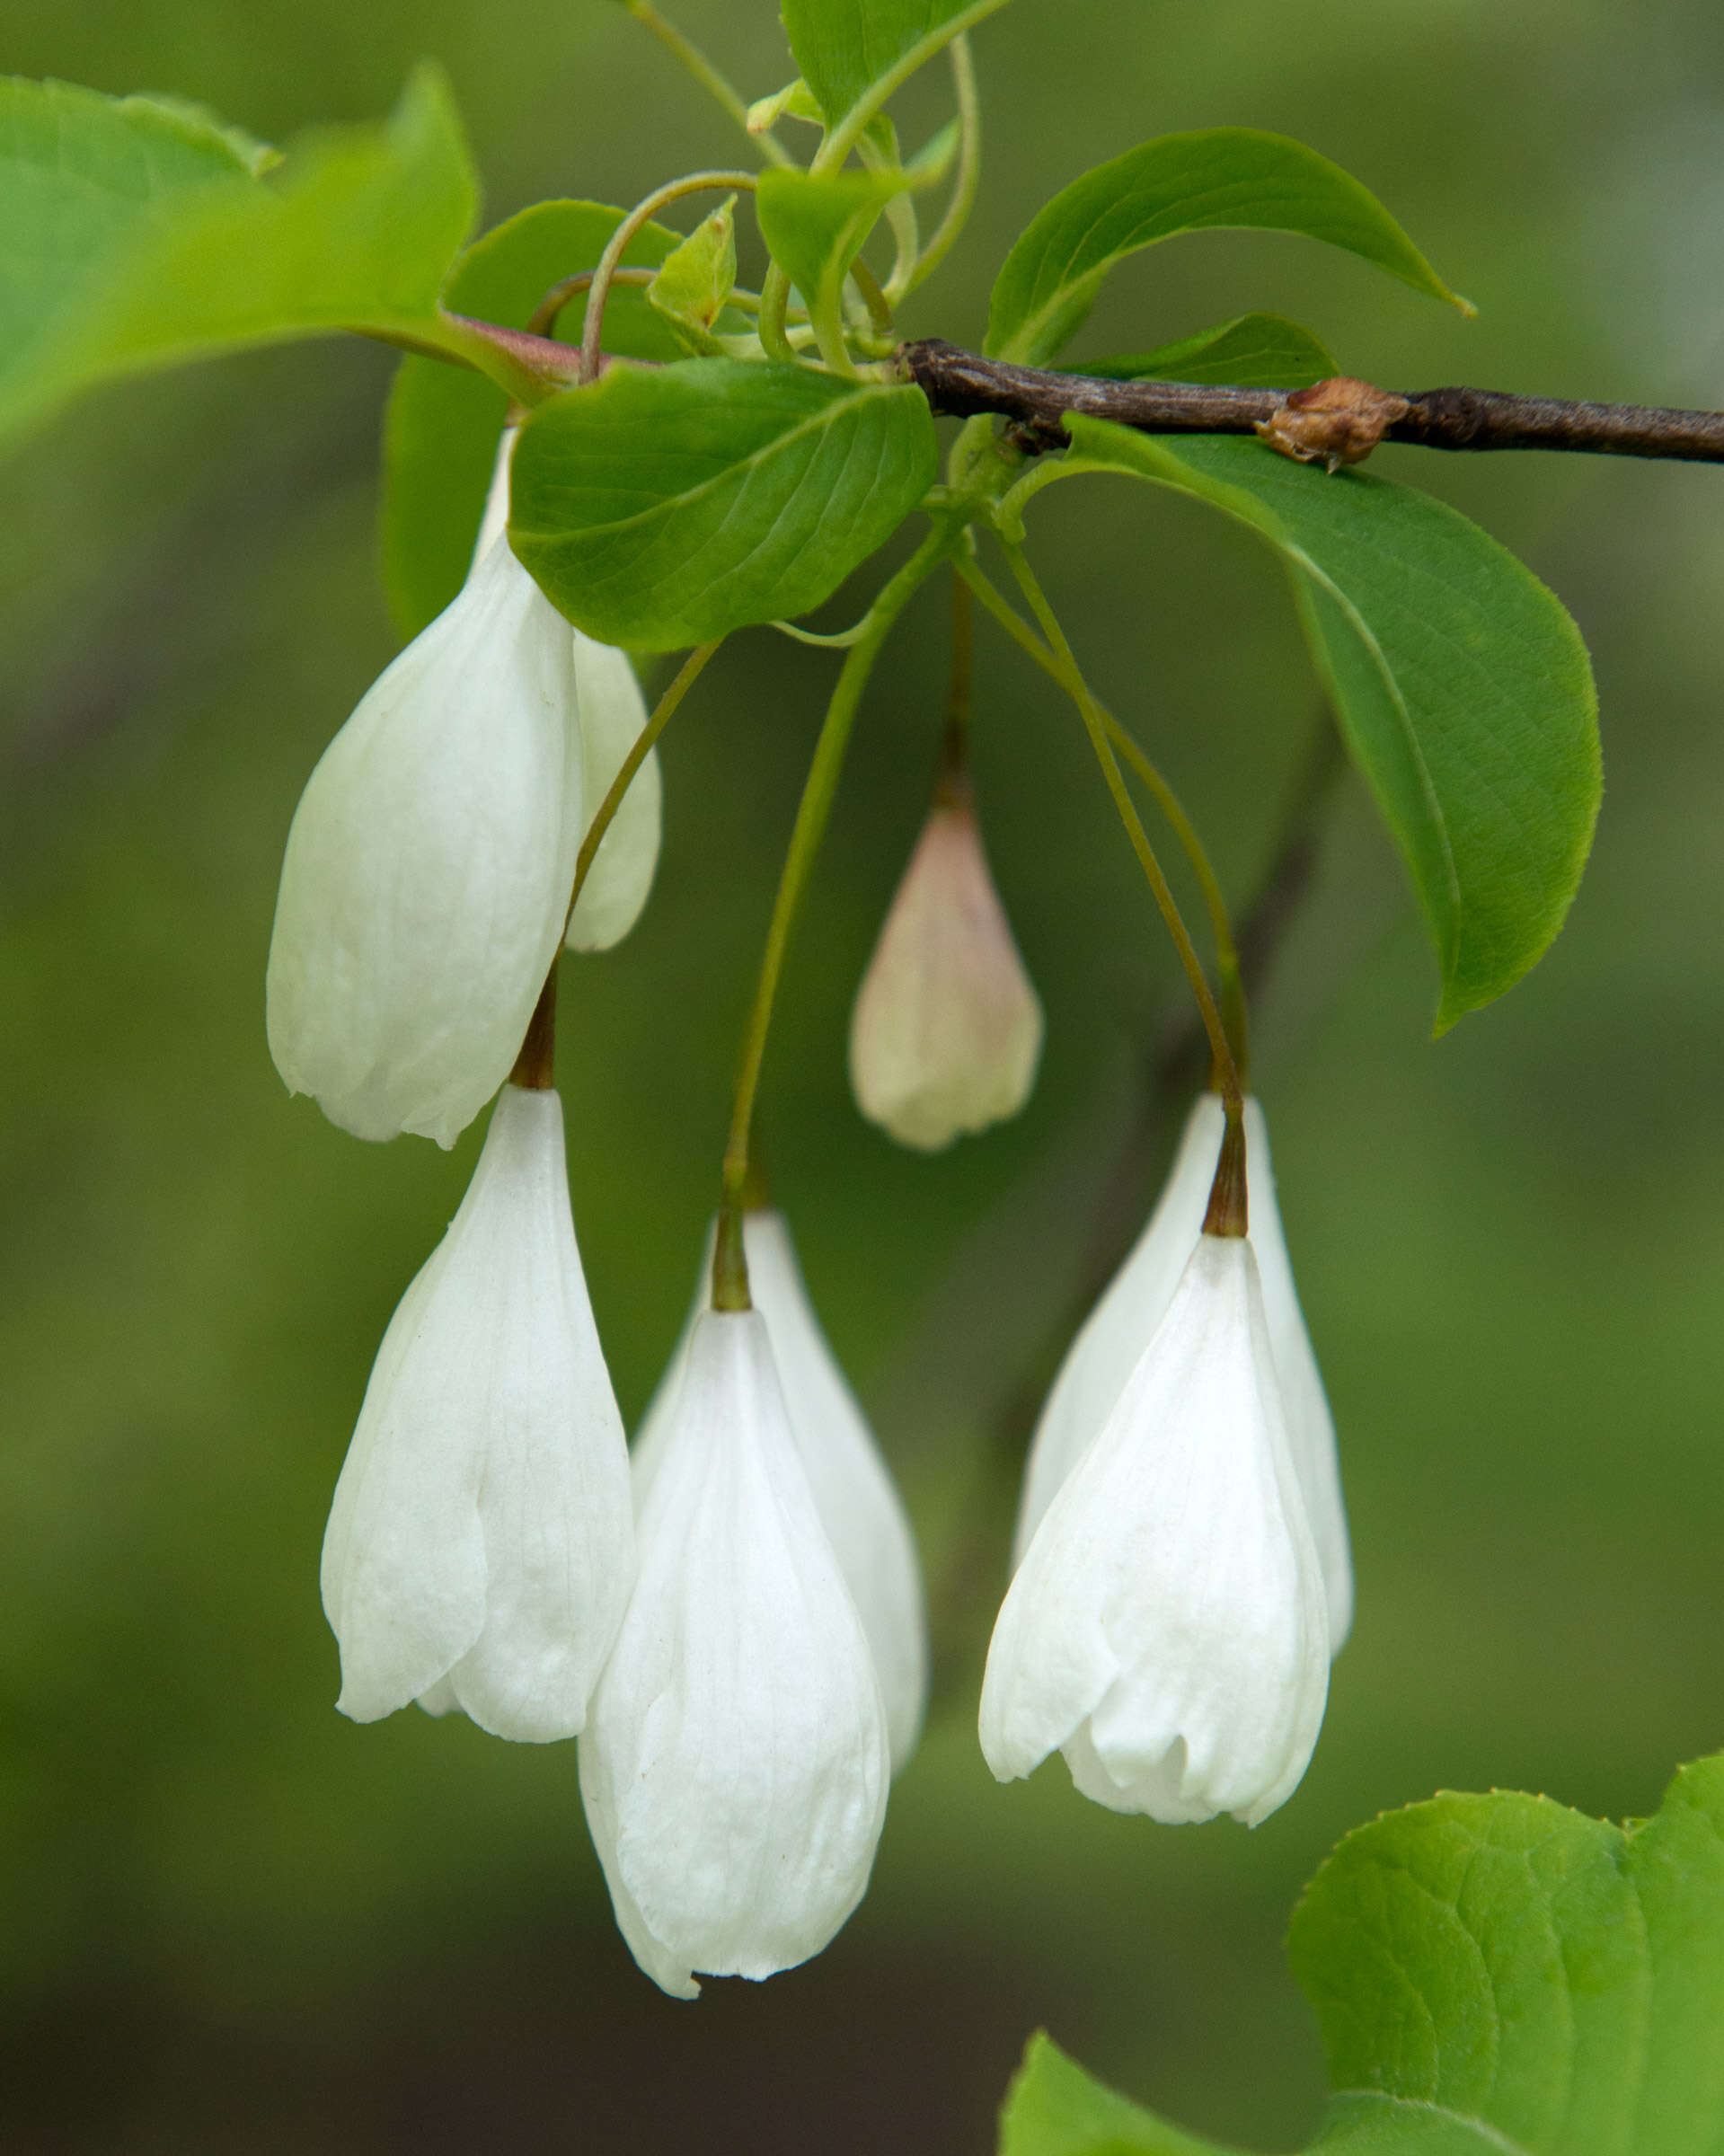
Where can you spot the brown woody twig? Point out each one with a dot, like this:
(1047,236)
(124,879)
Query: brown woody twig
(959,383)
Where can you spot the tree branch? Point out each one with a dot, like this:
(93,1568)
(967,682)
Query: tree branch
(959,384)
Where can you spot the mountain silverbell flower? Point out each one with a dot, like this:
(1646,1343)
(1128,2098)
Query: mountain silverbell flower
(480,1546)
(946,1028)
(1166,1627)
(430,864)
(853,1492)
(1114,1335)
(736,1762)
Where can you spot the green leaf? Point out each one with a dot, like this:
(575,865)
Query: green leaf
(440,434)
(815,222)
(252,156)
(137,234)
(795,101)
(1461,685)
(1528,1977)
(1255,351)
(1492,1977)
(854,53)
(660,509)
(1217,177)
(1054,2108)
(695,277)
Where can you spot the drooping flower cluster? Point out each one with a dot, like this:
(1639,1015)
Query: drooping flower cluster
(732,1624)
(745,1664)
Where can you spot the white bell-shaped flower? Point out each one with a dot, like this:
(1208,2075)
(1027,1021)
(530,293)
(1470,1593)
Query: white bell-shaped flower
(1116,1331)
(946,1028)
(480,1546)
(853,1493)
(1166,1627)
(735,1765)
(428,868)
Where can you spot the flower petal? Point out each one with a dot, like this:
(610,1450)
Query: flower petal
(480,1545)
(1119,1328)
(854,1491)
(736,1760)
(428,869)
(1113,1336)
(1311,1428)
(1167,1624)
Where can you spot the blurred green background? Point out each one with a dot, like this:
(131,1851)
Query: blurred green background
(229,1920)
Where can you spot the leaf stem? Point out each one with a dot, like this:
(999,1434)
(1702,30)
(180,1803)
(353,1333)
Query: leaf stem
(1231,997)
(1226,1071)
(687,675)
(691,183)
(689,54)
(543,322)
(969,166)
(775,304)
(956,752)
(729,1273)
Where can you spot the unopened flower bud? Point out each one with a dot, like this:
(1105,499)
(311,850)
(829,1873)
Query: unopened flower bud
(946,1028)
(735,1766)
(854,1494)
(479,1550)
(1166,1627)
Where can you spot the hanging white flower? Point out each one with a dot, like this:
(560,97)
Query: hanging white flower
(946,1028)
(1166,1627)
(735,1765)
(853,1492)
(479,1550)
(1119,1327)
(428,867)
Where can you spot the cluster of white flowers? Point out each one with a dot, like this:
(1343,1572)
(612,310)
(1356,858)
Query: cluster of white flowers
(733,1624)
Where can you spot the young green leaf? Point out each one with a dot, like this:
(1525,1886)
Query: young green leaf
(1255,351)
(137,235)
(661,509)
(441,429)
(854,53)
(1492,1977)
(1054,2108)
(815,222)
(696,279)
(795,101)
(1217,177)
(1461,685)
